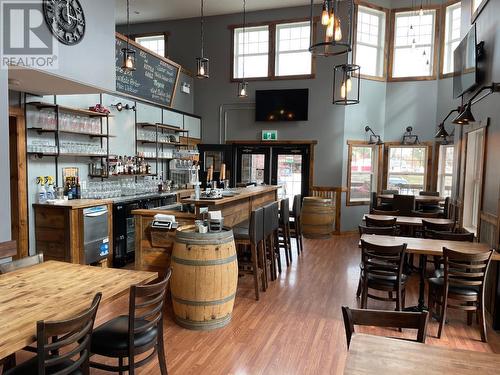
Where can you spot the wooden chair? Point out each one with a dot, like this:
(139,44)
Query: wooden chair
(63,347)
(383,271)
(405,204)
(386,319)
(21,263)
(253,237)
(426,214)
(374,211)
(449,236)
(429,193)
(295,227)
(429,225)
(372,222)
(284,238)
(463,284)
(138,332)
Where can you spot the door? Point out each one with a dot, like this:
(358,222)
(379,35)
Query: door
(214,155)
(253,165)
(290,169)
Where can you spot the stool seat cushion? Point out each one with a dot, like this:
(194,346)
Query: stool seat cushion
(438,283)
(30,367)
(111,338)
(389,280)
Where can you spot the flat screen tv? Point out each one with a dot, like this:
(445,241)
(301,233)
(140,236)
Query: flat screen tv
(465,74)
(282,105)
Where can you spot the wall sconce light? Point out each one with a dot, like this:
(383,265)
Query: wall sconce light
(120,107)
(465,116)
(374,138)
(186,88)
(442,133)
(409,138)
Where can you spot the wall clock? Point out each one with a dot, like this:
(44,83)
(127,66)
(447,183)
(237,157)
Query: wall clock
(65,20)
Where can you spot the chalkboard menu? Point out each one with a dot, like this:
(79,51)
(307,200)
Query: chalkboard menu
(155,78)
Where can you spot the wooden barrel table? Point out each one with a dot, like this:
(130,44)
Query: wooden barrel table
(317,217)
(204,278)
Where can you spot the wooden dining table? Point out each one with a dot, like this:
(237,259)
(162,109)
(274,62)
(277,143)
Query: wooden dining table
(418,198)
(54,291)
(376,355)
(410,220)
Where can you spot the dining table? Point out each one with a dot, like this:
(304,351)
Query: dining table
(413,221)
(369,354)
(55,291)
(425,247)
(431,199)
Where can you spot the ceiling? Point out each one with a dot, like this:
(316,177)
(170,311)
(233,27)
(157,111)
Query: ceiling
(157,10)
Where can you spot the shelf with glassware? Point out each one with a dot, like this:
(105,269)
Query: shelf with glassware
(121,167)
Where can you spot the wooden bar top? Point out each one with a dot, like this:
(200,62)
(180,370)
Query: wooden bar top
(409,220)
(428,246)
(53,291)
(75,204)
(242,193)
(376,355)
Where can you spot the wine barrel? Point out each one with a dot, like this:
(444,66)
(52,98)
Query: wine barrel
(204,278)
(317,217)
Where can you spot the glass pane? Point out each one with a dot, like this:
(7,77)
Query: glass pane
(255,66)
(292,49)
(412,62)
(288,64)
(366,57)
(290,175)
(155,43)
(213,159)
(252,168)
(406,183)
(407,169)
(253,48)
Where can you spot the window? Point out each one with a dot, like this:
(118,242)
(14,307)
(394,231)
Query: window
(451,35)
(370,41)
(156,43)
(251,51)
(292,49)
(361,173)
(272,50)
(445,170)
(477,7)
(414,47)
(407,169)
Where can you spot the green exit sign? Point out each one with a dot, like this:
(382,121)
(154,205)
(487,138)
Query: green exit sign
(269,135)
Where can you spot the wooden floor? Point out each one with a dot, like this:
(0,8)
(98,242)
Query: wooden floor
(296,327)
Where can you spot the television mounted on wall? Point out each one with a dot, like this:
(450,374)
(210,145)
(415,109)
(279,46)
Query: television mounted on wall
(281,105)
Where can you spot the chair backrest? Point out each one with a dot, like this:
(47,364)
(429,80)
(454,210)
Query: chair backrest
(449,236)
(465,269)
(373,200)
(440,227)
(256,227)
(146,306)
(8,249)
(297,205)
(284,211)
(429,193)
(21,263)
(383,261)
(388,192)
(271,220)
(66,342)
(387,319)
(446,210)
(372,222)
(405,204)
(374,211)
(381,231)
(428,215)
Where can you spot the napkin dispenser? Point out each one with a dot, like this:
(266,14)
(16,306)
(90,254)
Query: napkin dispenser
(162,221)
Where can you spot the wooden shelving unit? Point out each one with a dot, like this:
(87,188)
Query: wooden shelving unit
(162,126)
(91,135)
(62,108)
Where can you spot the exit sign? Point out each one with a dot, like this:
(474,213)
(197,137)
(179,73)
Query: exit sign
(269,135)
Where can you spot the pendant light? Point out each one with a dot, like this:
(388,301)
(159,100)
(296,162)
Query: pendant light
(128,62)
(345,91)
(243,84)
(202,63)
(335,37)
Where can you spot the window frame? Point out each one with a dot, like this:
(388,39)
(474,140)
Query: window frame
(439,176)
(475,14)
(165,35)
(376,158)
(271,71)
(442,37)
(428,168)
(436,42)
(387,12)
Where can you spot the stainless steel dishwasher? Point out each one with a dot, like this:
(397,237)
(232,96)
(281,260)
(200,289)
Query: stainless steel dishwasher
(95,234)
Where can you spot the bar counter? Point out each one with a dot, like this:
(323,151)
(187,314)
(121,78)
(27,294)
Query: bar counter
(153,248)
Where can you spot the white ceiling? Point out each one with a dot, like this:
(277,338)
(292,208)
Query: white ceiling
(157,10)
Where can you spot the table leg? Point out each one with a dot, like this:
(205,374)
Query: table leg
(421,289)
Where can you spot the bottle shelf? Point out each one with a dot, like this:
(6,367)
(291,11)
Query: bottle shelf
(77,111)
(162,126)
(177,144)
(124,175)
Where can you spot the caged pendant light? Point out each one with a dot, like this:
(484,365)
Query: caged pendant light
(202,63)
(346,84)
(243,84)
(128,62)
(335,34)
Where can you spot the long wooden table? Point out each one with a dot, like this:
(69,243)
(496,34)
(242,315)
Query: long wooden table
(52,291)
(409,220)
(381,355)
(418,198)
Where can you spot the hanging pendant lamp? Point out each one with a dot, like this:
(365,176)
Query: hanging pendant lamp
(335,34)
(128,62)
(202,63)
(243,84)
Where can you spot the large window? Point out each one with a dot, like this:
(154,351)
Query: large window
(362,173)
(451,35)
(156,43)
(413,44)
(445,170)
(272,51)
(292,49)
(407,169)
(370,41)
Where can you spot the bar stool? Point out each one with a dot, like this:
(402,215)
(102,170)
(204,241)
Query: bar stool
(253,237)
(284,230)
(296,230)
(271,226)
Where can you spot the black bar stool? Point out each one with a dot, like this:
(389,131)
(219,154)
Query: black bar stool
(271,225)
(284,230)
(296,230)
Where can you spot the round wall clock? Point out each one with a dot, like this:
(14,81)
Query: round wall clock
(65,20)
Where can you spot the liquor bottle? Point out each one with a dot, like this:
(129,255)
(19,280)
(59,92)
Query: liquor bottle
(78,189)
(70,190)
